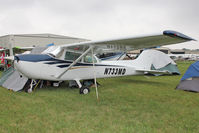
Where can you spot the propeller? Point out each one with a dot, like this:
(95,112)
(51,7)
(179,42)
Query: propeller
(9,58)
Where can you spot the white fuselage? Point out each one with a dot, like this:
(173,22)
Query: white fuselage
(48,70)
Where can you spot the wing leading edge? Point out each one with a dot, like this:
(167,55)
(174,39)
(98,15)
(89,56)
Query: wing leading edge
(139,42)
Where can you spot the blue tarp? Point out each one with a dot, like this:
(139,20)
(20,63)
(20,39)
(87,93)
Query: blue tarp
(52,44)
(192,71)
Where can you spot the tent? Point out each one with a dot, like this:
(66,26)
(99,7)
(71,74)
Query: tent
(172,68)
(190,80)
(12,80)
(159,61)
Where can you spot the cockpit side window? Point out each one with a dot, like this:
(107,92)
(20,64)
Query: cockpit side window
(71,55)
(74,55)
(89,59)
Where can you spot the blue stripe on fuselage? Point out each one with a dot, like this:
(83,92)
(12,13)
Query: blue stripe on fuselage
(35,57)
(88,64)
(45,57)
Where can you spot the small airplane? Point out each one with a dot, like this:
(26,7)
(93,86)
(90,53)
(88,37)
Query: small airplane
(184,56)
(78,62)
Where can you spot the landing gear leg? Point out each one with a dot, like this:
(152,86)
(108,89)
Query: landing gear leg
(83,89)
(32,84)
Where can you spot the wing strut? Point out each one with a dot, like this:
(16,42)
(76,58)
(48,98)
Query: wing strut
(95,80)
(72,64)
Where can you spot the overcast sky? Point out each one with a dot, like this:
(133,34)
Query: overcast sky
(100,19)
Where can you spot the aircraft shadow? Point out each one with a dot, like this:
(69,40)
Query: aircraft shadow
(142,82)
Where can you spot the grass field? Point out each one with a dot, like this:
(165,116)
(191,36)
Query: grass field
(127,104)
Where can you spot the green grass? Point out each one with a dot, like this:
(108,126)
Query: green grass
(127,104)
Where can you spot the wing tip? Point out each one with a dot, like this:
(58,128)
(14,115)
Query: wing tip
(177,34)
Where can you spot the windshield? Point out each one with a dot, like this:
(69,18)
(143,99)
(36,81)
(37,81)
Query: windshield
(71,53)
(53,50)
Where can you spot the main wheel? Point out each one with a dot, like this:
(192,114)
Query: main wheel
(84,90)
(30,90)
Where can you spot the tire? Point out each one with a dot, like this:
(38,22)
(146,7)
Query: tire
(29,90)
(84,90)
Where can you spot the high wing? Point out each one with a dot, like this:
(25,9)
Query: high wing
(139,42)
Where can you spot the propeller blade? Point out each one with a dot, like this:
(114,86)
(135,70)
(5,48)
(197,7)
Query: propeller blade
(9,58)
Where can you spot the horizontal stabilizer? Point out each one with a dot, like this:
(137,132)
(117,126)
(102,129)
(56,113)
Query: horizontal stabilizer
(153,71)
